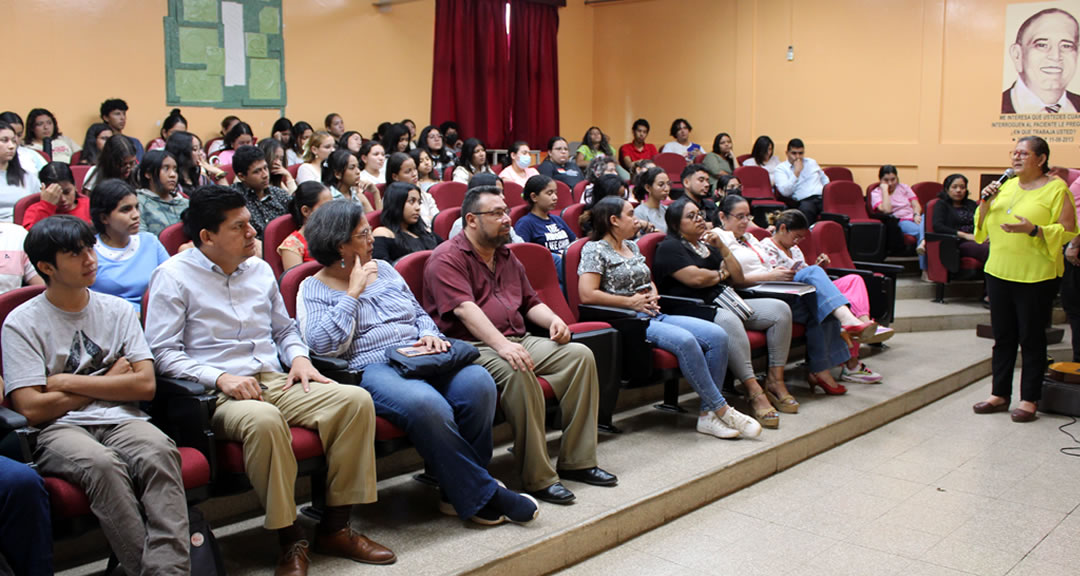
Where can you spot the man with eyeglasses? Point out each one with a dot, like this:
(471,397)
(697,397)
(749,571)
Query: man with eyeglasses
(476,290)
(801,181)
(695,181)
(1044,55)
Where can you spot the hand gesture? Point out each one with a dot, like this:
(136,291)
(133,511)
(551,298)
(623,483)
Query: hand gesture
(918,218)
(823,260)
(361,276)
(782,274)
(1024,226)
(302,371)
(1072,254)
(240,387)
(121,366)
(52,193)
(558,331)
(516,354)
(432,344)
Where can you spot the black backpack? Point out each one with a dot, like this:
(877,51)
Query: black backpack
(206,557)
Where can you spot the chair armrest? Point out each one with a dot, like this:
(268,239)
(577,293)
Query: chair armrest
(843,219)
(594,313)
(838,272)
(684,306)
(881,268)
(948,249)
(183,410)
(17,439)
(336,369)
(168,388)
(636,350)
(750,292)
(10,420)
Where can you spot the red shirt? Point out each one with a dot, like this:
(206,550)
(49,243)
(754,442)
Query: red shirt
(455,274)
(628,149)
(41,210)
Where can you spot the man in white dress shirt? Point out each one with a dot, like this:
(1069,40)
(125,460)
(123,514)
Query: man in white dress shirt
(801,180)
(1045,58)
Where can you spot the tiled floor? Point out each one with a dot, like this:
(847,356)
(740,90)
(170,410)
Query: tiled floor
(939,492)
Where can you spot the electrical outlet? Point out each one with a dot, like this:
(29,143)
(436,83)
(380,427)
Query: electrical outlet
(790,53)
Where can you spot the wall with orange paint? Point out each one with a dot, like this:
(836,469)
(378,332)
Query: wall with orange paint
(915,83)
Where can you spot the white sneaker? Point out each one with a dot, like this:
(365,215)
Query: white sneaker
(861,375)
(711,425)
(746,425)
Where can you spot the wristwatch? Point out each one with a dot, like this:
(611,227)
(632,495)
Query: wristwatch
(1034,231)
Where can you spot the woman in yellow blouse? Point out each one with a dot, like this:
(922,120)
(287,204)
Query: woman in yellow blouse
(1027,220)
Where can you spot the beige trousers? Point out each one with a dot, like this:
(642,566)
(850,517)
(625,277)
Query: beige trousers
(343,415)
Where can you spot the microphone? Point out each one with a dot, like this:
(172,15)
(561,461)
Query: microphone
(1008,173)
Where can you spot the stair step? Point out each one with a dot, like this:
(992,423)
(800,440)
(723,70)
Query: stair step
(921,315)
(912,287)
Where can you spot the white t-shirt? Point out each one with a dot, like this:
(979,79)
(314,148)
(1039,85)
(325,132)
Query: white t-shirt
(9,194)
(15,266)
(306,173)
(751,256)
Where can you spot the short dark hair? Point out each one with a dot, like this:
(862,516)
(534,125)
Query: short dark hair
(306,196)
(792,219)
(534,185)
(206,209)
(55,173)
(106,197)
(174,118)
(606,185)
(601,214)
(245,157)
(795,143)
(641,122)
(108,106)
(1038,146)
(483,179)
(471,204)
(675,126)
(331,226)
(887,169)
(330,119)
(674,214)
(690,170)
(111,162)
(150,168)
(239,129)
(553,141)
(60,233)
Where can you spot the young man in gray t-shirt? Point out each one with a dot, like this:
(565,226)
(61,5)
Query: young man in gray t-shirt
(76,364)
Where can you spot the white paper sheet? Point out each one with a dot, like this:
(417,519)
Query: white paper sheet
(232,20)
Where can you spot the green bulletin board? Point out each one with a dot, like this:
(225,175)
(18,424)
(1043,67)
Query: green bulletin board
(224,54)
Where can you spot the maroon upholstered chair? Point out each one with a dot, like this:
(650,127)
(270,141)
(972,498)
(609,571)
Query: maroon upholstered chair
(172,237)
(943,261)
(277,230)
(837,173)
(444,222)
(843,202)
(448,194)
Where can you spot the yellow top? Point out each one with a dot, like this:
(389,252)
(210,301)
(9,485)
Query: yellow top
(1018,257)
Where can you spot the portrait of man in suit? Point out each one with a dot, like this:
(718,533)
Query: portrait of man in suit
(1044,55)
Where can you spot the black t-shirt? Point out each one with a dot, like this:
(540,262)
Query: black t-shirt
(674,254)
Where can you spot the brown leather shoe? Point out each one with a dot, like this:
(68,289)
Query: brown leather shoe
(1021,415)
(988,408)
(294,561)
(349,543)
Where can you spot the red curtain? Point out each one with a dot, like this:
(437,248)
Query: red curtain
(534,70)
(471,68)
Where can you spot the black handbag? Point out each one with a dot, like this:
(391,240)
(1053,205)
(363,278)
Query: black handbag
(424,366)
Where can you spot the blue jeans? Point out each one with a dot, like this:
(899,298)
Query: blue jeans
(702,350)
(25,526)
(910,228)
(828,296)
(448,420)
(825,347)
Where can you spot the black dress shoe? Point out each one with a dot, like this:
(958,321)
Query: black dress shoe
(555,494)
(594,476)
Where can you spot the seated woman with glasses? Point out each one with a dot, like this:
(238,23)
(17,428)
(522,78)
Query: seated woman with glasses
(402,231)
(830,324)
(357,308)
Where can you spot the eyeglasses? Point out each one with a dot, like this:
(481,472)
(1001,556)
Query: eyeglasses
(364,234)
(1020,153)
(740,217)
(694,216)
(498,213)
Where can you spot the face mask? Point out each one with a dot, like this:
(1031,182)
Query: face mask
(736,190)
(524,160)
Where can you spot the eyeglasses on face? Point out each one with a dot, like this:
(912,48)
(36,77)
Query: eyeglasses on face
(498,213)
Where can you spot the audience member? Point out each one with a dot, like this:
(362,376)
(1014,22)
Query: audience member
(396,139)
(637,149)
(721,161)
(372,162)
(319,147)
(217,288)
(282,132)
(680,131)
(264,202)
(955,214)
(402,231)
(192,168)
(174,122)
(43,133)
(608,185)
(362,309)
(160,201)
(728,185)
(520,169)
(342,177)
(58,196)
(762,155)
(461,294)
(94,141)
(473,161)
(476,182)
(695,181)
(294,248)
(400,167)
(301,135)
(274,153)
(31,161)
(431,140)
(425,169)
(692,262)
(125,256)
(334,124)
(801,180)
(217,144)
(15,180)
(25,523)
(76,360)
(451,135)
(651,190)
(558,165)
(600,166)
(593,145)
(118,160)
(901,203)
(614,273)
(114,113)
(351,141)
(412,133)
(15,267)
(239,135)
(539,225)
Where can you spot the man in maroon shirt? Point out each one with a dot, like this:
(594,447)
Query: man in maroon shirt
(477,290)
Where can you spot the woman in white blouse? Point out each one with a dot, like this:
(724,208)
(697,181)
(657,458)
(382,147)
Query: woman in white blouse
(762,155)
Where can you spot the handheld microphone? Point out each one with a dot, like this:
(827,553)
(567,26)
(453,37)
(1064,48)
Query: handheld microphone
(1008,173)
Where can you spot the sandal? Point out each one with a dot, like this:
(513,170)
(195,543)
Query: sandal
(768,417)
(786,404)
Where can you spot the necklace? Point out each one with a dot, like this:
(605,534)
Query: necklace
(1016,198)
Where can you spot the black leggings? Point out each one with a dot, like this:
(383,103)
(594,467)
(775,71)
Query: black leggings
(1020,313)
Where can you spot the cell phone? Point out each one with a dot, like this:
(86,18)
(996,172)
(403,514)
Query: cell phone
(410,351)
(263,386)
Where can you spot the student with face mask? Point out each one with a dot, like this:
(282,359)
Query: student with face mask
(520,169)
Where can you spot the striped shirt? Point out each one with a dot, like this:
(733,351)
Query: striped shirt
(385,315)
